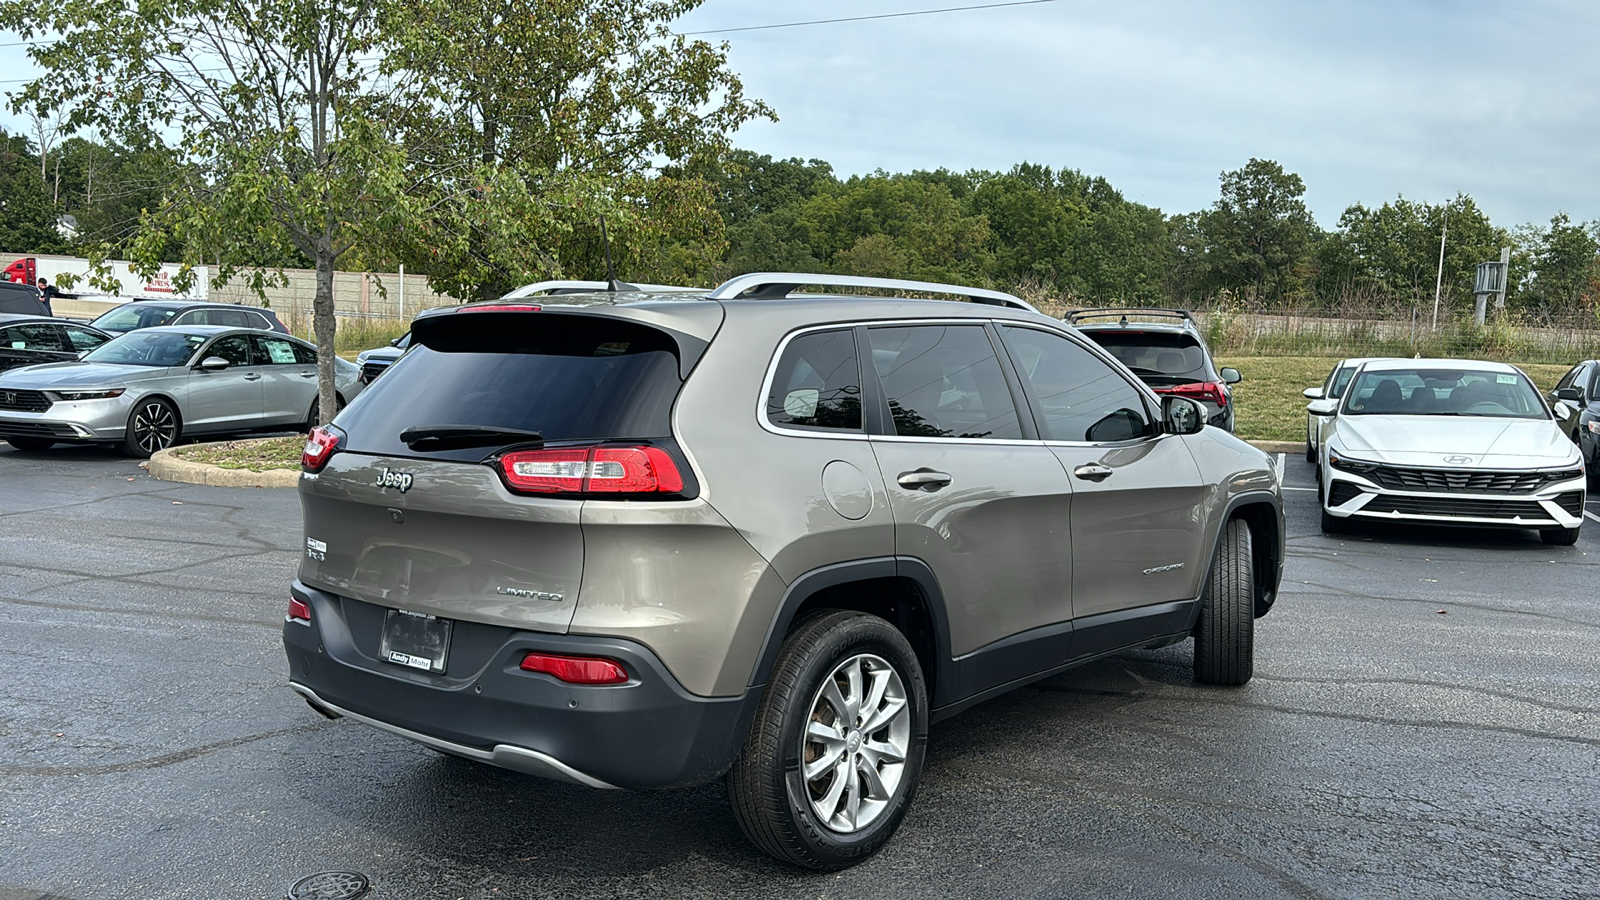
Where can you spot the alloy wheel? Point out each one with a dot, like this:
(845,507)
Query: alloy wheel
(854,747)
(154,427)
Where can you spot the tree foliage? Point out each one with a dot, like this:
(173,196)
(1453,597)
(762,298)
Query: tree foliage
(1258,234)
(1394,250)
(27,219)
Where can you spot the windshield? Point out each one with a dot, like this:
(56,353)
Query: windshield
(1160,357)
(133,315)
(1444,392)
(1341,380)
(148,348)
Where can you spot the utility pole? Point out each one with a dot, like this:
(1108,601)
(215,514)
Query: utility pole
(1438,281)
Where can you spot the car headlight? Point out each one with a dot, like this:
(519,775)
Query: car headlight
(89,395)
(1594,426)
(1346,464)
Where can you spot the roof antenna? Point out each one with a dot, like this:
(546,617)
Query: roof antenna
(611,271)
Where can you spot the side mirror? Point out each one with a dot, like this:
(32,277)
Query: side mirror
(1570,393)
(213,364)
(1230,375)
(1312,393)
(1322,407)
(1182,415)
(396,341)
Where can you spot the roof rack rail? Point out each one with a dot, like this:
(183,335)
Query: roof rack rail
(777,285)
(552,288)
(1072,317)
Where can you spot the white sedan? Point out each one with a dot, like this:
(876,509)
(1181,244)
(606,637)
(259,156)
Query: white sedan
(1449,442)
(1325,401)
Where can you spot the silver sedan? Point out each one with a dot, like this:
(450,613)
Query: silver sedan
(145,389)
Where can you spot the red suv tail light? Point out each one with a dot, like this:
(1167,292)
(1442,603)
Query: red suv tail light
(576,669)
(299,610)
(1200,390)
(592,470)
(320,444)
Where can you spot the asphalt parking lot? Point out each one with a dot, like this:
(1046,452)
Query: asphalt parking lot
(1423,723)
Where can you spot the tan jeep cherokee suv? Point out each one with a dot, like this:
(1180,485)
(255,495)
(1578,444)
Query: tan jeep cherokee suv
(652,538)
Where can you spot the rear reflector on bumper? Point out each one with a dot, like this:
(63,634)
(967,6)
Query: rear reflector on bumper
(576,669)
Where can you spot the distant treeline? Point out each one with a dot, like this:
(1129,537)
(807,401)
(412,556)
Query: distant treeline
(1057,233)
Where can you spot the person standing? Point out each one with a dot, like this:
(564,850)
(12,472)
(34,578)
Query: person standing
(48,292)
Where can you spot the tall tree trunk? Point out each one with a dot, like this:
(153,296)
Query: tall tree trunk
(324,325)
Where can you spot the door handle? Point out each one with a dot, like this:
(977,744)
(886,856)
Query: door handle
(252,376)
(1093,472)
(308,374)
(923,479)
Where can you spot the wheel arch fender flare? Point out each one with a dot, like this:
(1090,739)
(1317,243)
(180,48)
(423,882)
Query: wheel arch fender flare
(1263,512)
(177,410)
(914,571)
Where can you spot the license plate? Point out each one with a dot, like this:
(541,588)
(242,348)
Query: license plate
(415,640)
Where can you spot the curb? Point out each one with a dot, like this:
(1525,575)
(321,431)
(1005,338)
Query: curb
(166,467)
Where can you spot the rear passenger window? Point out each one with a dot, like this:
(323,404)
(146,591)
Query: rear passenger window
(817,384)
(34,337)
(944,381)
(1080,397)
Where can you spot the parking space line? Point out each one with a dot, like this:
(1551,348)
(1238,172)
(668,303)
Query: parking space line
(1288,488)
(1590,515)
(1282,461)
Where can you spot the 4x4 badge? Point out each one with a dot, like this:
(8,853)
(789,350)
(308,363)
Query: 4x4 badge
(389,478)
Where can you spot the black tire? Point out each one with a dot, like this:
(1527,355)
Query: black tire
(29,445)
(1561,537)
(1333,524)
(314,414)
(153,425)
(1224,637)
(1311,453)
(768,786)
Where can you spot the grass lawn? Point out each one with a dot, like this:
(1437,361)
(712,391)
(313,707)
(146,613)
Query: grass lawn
(1270,407)
(255,455)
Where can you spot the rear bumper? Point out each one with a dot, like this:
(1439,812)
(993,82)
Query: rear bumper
(646,733)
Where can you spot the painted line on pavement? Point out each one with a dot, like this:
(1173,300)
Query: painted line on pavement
(1590,515)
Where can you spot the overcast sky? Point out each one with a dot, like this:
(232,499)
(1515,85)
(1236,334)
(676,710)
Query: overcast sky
(1365,99)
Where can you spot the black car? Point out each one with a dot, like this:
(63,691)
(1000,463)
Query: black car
(21,299)
(1575,400)
(1168,354)
(28,340)
(150,313)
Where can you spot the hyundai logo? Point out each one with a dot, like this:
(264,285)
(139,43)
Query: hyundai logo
(1458,460)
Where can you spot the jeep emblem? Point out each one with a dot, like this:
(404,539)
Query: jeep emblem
(389,478)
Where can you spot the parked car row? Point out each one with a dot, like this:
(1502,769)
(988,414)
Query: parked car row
(1451,442)
(148,373)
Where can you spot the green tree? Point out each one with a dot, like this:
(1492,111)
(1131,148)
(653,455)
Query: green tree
(1393,251)
(1565,267)
(27,221)
(894,226)
(1258,234)
(268,108)
(528,121)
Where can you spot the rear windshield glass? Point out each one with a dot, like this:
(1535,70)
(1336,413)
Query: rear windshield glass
(1156,357)
(148,348)
(566,377)
(133,315)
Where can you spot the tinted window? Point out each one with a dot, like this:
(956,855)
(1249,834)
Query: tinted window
(233,318)
(1567,379)
(566,377)
(1080,397)
(82,338)
(33,337)
(135,315)
(274,351)
(943,381)
(143,348)
(1156,357)
(234,348)
(817,383)
(304,355)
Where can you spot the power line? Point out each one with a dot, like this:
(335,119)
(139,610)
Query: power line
(898,15)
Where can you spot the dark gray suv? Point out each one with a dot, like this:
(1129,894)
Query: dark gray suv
(635,539)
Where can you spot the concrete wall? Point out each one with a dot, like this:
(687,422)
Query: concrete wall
(355,294)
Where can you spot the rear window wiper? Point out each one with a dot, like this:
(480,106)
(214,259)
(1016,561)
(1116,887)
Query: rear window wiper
(455,437)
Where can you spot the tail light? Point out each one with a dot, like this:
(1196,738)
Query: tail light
(320,445)
(576,669)
(299,610)
(1200,390)
(592,470)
